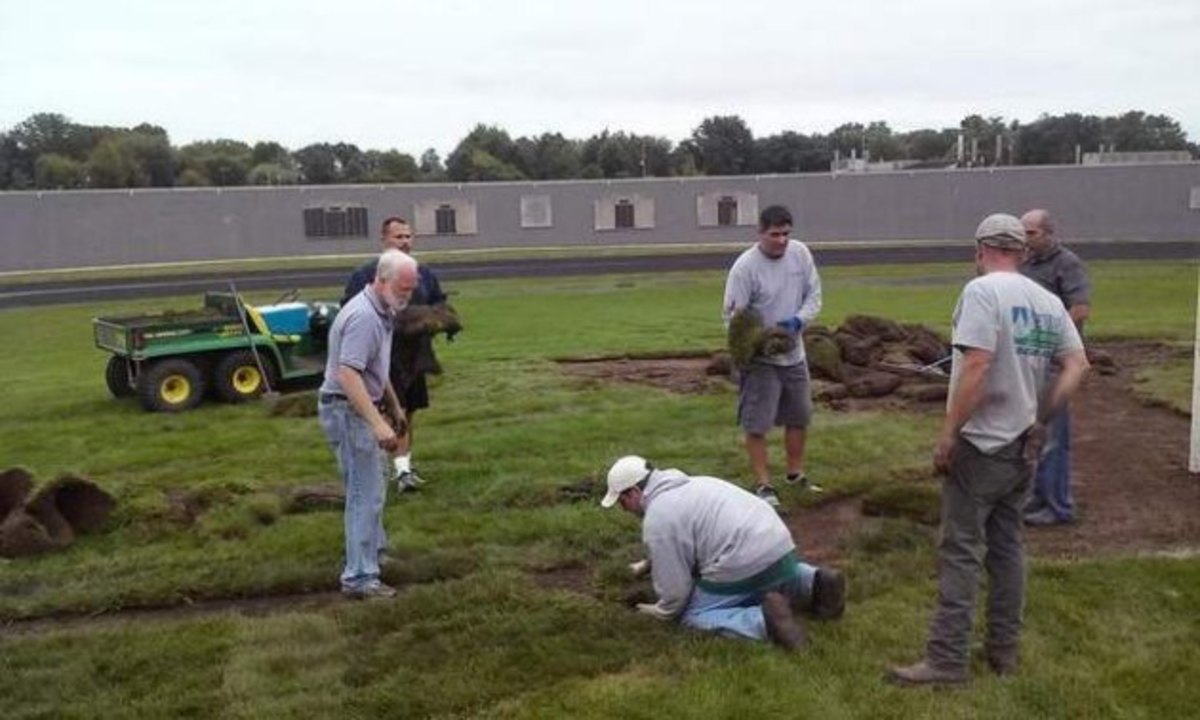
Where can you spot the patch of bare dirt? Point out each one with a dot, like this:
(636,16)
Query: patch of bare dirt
(1133,491)
(821,531)
(572,579)
(675,374)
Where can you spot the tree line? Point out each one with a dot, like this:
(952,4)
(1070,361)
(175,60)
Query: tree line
(49,151)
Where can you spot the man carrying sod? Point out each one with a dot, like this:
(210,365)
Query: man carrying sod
(1007,330)
(412,345)
(720,558)
(354,399)
(777,281)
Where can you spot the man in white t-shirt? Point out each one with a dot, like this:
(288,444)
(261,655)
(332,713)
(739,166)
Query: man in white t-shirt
(778,280)
(1007,331)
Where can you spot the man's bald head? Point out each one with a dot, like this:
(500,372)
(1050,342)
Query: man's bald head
(1039,230)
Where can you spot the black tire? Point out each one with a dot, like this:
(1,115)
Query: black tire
(236,377)
(116,376)
(171,385)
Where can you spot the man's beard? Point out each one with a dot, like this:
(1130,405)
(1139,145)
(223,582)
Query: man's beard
(394,303)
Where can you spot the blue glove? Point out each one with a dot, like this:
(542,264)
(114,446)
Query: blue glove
(793,325)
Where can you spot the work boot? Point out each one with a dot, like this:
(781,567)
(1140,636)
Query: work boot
(923,673)
(828,594)
(1002,662)
(782,626)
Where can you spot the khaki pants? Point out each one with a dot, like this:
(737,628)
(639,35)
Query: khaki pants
(982,501)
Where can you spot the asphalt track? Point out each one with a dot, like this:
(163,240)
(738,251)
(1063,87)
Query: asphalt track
(81,291)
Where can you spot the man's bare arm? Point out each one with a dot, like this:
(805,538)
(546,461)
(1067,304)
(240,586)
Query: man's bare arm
(1079,314)
(1074,366)
(968,394)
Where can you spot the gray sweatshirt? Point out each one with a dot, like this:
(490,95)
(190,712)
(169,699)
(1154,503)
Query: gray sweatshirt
(778,289)
(705,528)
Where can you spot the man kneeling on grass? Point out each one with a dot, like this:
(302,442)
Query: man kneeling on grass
(720,558)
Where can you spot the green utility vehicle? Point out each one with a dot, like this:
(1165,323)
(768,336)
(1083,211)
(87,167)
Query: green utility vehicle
(229,349)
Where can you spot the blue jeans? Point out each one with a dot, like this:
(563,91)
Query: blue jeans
(363,465)
(1052,485)
(741,615)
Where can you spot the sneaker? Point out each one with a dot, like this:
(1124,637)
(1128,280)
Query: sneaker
(828,594)
(804,483)
(782,626)
(375,590)
(767,493)
(407,482)
(1044,518)
(923,673)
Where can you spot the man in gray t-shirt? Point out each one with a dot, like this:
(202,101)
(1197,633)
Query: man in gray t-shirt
(778,280)
(1006,332)
(1060,271)
(356,387)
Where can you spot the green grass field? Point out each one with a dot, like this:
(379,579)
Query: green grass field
(479,630)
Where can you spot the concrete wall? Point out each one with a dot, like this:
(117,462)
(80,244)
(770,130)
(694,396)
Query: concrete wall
(40,230)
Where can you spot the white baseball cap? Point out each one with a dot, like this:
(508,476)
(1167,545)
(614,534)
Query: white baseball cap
(624,474)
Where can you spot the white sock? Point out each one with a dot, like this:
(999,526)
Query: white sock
(403,463)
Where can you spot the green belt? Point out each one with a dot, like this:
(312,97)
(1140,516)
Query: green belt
(785,569)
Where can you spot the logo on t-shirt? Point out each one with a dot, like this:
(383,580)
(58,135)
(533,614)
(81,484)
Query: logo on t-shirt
(1035,333)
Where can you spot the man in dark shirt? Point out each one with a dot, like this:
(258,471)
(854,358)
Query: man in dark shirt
(1060,271)
(410,383)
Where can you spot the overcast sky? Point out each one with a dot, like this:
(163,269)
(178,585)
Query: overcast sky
(412,75)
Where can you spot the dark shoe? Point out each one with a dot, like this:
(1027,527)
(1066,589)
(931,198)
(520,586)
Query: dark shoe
(1003,664)
(828,594)
(767,493)
(782,626)
(923,673)
(376,590)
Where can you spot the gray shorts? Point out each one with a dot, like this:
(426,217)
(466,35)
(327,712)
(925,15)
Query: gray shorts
(774,395)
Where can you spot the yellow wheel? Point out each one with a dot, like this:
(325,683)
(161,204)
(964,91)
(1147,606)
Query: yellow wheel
(171,385)
(238,379)
(174,389)
(247,380)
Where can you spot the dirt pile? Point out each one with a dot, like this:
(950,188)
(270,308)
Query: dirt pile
(871,357)
(52,518)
